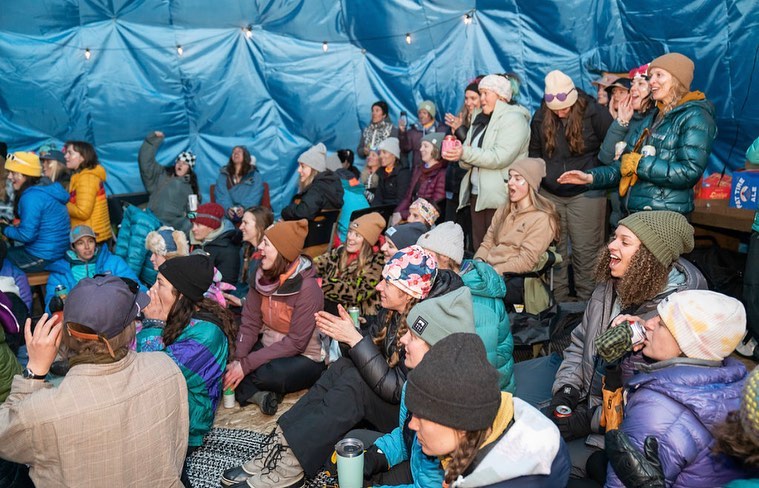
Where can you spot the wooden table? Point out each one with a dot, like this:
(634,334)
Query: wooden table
(730,226)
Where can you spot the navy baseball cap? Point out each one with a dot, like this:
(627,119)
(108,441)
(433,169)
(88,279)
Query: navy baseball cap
(53,155)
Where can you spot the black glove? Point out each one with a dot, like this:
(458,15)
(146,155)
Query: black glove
(635,468)
(576,425)
(374,462)
(56,304)
(566,395)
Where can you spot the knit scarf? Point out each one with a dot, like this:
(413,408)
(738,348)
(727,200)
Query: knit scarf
(377,132)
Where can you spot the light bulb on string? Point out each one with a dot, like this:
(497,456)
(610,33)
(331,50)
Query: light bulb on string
(408,38)
(248,32)
(87,54)
(467,19)
(325,46)
(180,51)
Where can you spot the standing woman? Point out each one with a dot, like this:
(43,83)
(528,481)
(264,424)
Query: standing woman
(279,350)
(239,185)
(319,188)
(394,178)
(428,178)
(87,199)
(169,186)
(567,132)
(377,131)
(41,208)
(498,136)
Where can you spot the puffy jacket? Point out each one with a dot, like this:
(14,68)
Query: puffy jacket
(324,193)
(411,141)
(224,247)
(88,204)
(679,402)
(506,139)
(347,289)
(62,271)
(44,227)
(353,199)
(596,121)
(392,187)
(130,244)
(617,133)
(683,140)
(491,321)
(20,279)
(168,193)
(579,365)
(247,193)
(427,183)
(9,367)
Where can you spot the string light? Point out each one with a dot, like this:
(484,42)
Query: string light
(180,51)
(325,46)
(468,19)
(248,32)
(408,38)
(87,54)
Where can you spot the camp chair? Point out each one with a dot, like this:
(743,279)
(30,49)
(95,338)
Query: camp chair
(320,231)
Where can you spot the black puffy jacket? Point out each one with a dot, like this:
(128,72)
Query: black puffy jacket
(392,187)
(324,193)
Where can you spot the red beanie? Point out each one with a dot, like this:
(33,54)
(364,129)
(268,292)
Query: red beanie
(210,215)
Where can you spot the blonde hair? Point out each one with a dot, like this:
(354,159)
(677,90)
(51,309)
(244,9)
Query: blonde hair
(542,204)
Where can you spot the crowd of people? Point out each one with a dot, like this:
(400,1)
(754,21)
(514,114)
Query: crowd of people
(400,330)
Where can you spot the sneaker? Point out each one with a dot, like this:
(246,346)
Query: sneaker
(281,469)
(747,349)
(232,477)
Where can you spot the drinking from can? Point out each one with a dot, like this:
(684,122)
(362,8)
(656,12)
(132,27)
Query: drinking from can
(638,332)
(192,202)
(353,312)
(562,411)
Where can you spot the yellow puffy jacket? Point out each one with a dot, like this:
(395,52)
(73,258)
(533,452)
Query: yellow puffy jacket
(87,201)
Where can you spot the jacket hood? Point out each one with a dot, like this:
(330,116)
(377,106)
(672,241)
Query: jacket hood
(98,171)
(482,280)
(502,108)
(445,282)
(250,174)
(706,391)
(50,190)
(219,237)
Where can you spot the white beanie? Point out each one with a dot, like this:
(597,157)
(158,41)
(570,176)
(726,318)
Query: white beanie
(315,157)
(446,239)
(559,83)
(706,324)
(497,84)
(391,145)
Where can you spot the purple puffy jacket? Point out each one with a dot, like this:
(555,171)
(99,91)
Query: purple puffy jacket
(679,401)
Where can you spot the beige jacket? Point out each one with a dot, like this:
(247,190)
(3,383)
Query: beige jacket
(515,242)
(123,424)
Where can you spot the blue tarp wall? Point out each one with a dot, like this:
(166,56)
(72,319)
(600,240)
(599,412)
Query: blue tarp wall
(277,91)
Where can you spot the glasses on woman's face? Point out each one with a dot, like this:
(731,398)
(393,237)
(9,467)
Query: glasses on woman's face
(549,97)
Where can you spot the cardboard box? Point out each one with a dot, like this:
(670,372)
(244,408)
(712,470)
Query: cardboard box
(744,192)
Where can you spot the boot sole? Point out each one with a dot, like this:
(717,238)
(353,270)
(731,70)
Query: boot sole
(297,484)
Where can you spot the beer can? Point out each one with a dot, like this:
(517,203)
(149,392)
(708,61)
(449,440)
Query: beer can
(61,292)
(638,332)
(619,148)
(353,312)
(562,411)
(648,150)
(192,202)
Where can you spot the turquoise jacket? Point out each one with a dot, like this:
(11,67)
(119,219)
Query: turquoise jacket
(491,321)
(130,244)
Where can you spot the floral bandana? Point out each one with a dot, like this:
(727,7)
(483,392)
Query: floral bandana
(413,270)
(428,211)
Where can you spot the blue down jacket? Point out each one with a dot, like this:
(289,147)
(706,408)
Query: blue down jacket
(130,243)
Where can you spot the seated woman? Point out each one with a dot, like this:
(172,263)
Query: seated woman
(460,418)
(85,259)
(424,212)
(427,180)
(54,167)
(87,204)
(13,279)
(351,272)
(686,388)
(400,236)
(169,186)
(194,331)
(366,385)
(164,244)
(255,221)
(217,236)
(319,188)
(41,208)
(346,158)
(523,229)
(394,177)
(353,200)
(239,184)
(639,267)
(278,348)
(370,175)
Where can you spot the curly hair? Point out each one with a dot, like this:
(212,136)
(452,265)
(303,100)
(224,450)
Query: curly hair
(462,457)
(732,440)
(645,277)
(572,129)
(183,310)
(395,357)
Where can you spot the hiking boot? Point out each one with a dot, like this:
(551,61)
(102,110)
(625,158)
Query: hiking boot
(234,476)
(269,402)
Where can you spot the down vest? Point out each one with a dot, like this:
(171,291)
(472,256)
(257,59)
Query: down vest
(683,141)
(88,204)
(679,402)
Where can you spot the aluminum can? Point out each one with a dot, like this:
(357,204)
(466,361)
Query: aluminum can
(192,202)
(648,150)
(619,148)
(61,292)
(638,332)
(353,312)
(562,411)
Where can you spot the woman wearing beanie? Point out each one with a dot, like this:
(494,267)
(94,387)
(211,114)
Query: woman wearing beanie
(40,206)
(460,417)
(636,271)
(319,188)
(196,332)
(681,130)
(423,212)
(428,178)
(399,236)
(365,385)
(370,175)
(522,229)
(163,244)
(499,135)
(239,184)
(278,348)
(169,186)
(410,138)
(567,132)
(685,390)
(393,177)
(87,203)
(491,319)
(351,272)
(379,129)
(217,236)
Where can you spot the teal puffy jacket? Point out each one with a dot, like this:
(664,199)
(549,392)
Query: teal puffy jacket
(683,140)
(491,321)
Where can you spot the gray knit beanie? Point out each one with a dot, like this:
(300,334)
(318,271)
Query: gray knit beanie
(666,234)
(315,157)
(405,235)
(446,239)
(533,170)
(454,385)
(436,318)
(391,145)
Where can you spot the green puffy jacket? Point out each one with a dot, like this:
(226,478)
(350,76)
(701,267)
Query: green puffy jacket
(491,321)
(683,140)
(9,367)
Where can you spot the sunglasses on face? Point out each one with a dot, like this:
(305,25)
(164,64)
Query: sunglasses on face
(549,97)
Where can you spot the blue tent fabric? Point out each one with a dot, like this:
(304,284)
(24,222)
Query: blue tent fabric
(278,92)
